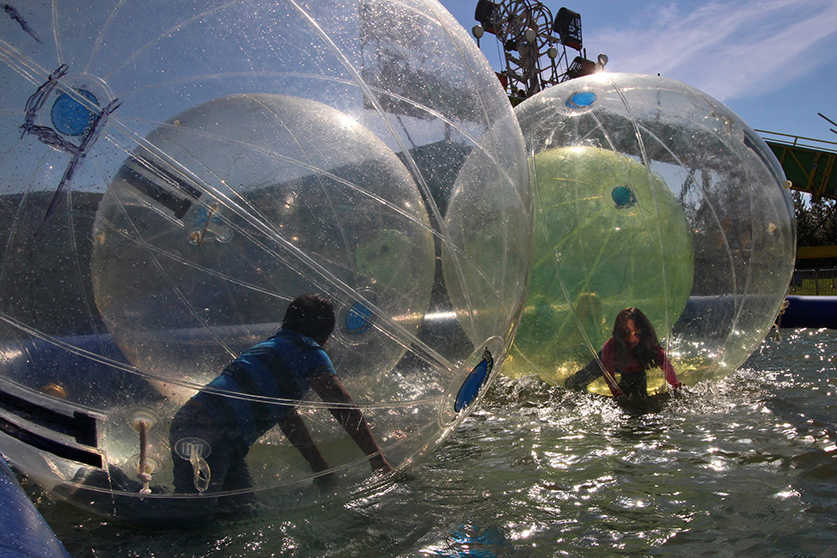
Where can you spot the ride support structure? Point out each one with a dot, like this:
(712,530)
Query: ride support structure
(534,44)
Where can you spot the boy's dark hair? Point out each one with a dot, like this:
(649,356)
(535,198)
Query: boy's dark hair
(311,315)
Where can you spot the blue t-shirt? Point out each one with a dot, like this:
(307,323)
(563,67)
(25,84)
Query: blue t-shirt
(281,366)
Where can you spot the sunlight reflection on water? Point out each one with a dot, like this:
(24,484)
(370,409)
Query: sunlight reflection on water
(747,465)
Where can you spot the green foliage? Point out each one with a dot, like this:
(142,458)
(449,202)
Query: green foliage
(816,220)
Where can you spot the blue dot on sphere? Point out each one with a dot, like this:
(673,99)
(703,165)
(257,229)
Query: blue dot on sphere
(623,196)
(581,99)
(70,117)
(358,318)
(473,382)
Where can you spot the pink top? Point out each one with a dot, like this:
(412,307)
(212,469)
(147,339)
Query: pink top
(633,366)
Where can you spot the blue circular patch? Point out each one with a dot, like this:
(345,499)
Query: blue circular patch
(199,216)
(472,384)
(623,197)
(358,319)
(581,99)
(70,117)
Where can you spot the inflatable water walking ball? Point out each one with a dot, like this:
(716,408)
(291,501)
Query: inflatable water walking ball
(649,193)
(173,175)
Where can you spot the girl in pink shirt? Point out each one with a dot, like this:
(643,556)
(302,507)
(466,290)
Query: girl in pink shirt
(633,349)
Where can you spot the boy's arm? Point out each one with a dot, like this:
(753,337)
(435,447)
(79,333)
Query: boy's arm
(331,390)
(296,431)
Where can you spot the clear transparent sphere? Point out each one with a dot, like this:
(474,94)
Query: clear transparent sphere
(174,174)
(649,193)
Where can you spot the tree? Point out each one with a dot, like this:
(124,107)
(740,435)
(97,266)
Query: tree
(816,220)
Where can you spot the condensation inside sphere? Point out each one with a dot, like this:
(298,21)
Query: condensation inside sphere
(289,185)
(650,194)
(481,229)
(174,174)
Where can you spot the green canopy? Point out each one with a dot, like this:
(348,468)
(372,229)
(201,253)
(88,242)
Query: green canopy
(810,168)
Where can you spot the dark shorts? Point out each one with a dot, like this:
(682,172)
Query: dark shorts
(205,425)
(632,385)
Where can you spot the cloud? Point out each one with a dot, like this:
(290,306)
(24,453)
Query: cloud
(728,49)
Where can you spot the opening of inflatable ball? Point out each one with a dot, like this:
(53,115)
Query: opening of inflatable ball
(476,379)
(473,377)
(653,195)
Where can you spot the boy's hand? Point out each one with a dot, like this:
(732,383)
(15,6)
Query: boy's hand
(325,482)
(380,464)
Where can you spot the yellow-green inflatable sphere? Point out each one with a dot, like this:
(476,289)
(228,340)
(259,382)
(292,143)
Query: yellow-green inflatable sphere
(649,194)
(608,234)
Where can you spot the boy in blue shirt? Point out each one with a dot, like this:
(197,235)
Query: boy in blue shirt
(211,434)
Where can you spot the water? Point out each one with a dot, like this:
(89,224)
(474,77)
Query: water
(742,467)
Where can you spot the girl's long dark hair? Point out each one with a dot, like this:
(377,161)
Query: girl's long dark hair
(647,352)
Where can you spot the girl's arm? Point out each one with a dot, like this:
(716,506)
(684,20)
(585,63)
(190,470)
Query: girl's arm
(668,370)
(607,366)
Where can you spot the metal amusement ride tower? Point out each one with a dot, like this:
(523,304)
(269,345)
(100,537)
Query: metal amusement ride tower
(534,44)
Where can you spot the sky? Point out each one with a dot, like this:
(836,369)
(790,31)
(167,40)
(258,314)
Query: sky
(773,62)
